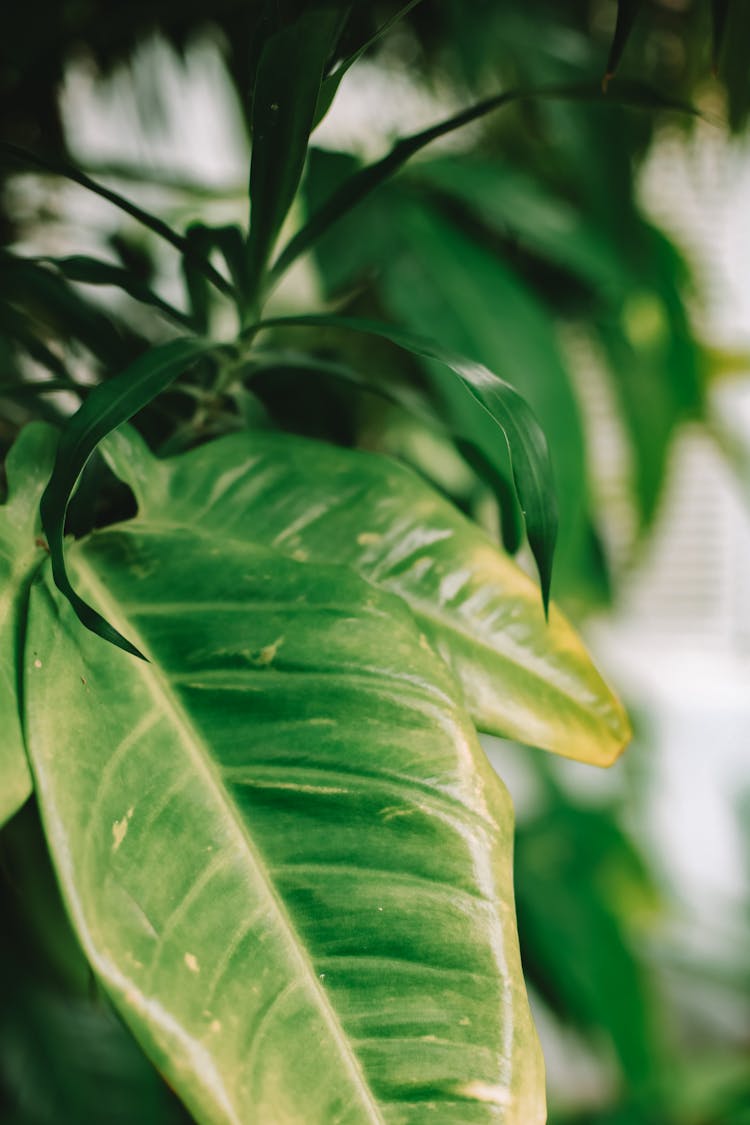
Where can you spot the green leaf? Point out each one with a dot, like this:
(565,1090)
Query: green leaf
(366,180)
(21,553)
(281,846)
(510,202)
(485,410)
(68,171)
(627,10)
(719,12)
(108,406)
(92,271)
(287,85)
(574,873)
(520,677)
(330,85)
(66,1056)
(46,307)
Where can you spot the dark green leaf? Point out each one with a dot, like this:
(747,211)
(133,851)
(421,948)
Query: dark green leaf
(574,872)
(108,406)
(367,179)
(477,397)
(290,72)
(62,168)
(47,307)
(627,10)
(21,553)
(330,85)
(516,205)
(719,12)
(92,271)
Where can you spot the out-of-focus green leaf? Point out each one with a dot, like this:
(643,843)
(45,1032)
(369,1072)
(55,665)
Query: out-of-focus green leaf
(734,68)
(656,367)
(719,12)
(484,409)
(520,676)
(40,306)
(108,406)
(280,844)
(578,953)
(92,271)
(287,85)
(330,85)
(366,180)
(65,1057)
(627,10)
(27,469)
(69,172)
(510,202)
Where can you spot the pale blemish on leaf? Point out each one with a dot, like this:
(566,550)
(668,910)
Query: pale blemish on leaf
(192,962)
(267,654)
(120,828)
(215,1026)
(369,538)
(37,663)
(392,811)
(483,1092)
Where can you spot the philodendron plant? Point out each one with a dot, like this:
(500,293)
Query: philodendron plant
(249,713)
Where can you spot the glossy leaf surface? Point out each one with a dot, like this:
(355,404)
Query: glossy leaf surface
(27,468)
(521,677)
(485,410)
(281,846)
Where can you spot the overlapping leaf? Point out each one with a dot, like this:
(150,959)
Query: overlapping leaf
(280,844)
(521,677)
(21,553)
(480,408)
(107,407)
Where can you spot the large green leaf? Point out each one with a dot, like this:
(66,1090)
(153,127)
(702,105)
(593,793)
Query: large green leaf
(21,552)
(521,677)
(281,846)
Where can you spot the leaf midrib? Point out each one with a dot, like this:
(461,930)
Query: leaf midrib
(199,754)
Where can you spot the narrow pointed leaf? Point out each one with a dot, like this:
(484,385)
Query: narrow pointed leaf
(108,406)
(483,409)
(520,677)
(152,222)
(21,553)
(627,10)
(281,847)
(92,271)
(330,85)
(719,12)
(289,76)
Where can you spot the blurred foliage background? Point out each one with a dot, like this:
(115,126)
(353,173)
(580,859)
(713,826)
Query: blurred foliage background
(522,242)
